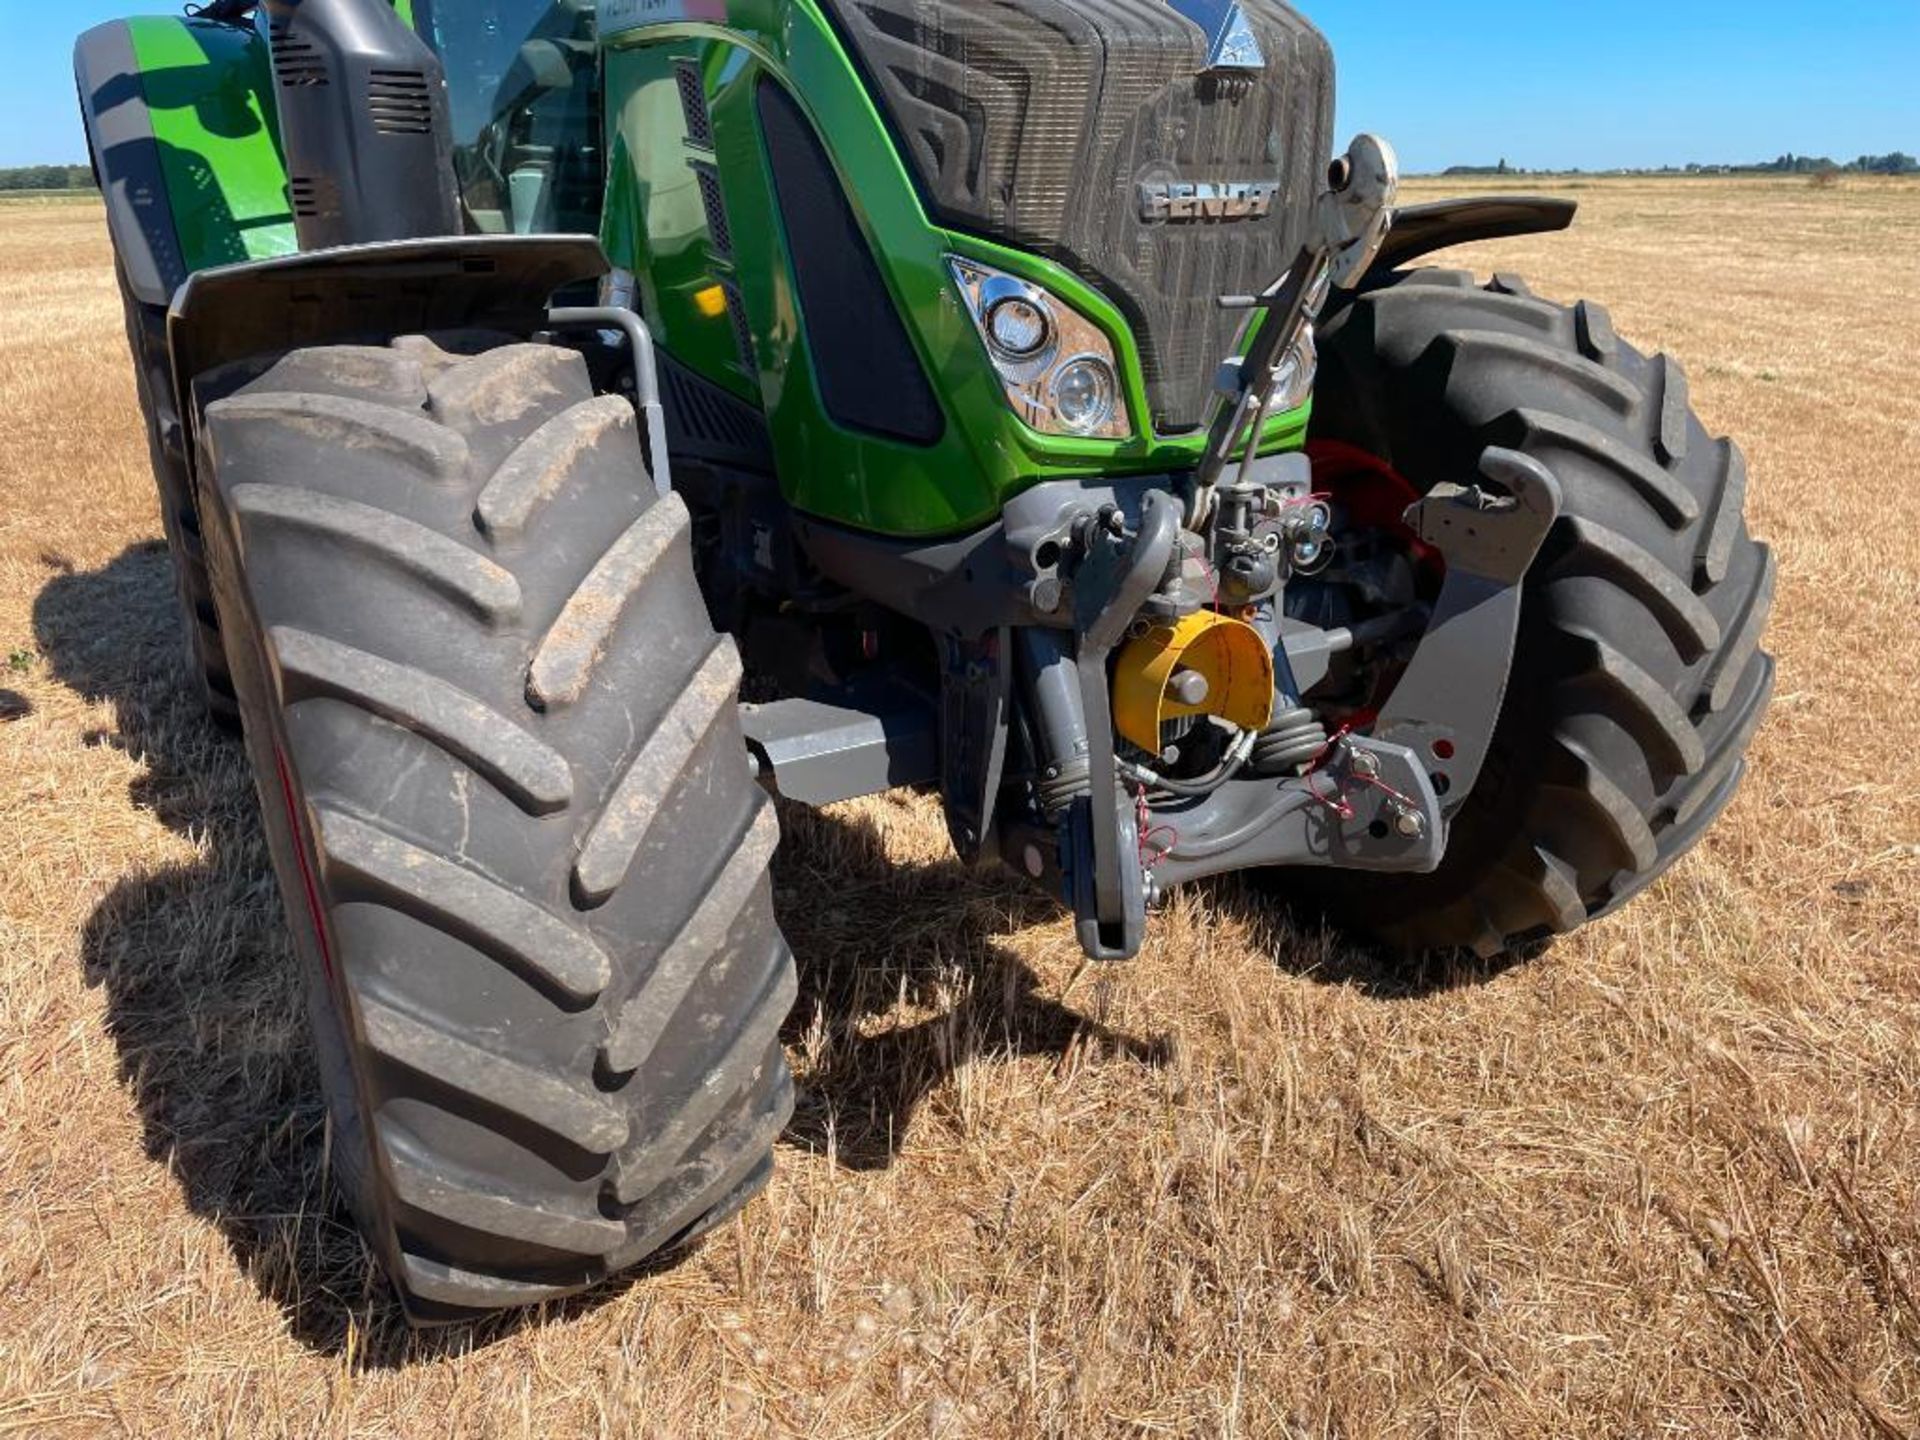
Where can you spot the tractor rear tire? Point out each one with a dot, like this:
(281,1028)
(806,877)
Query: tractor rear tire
(1639,678)
(179,515)
(521,848)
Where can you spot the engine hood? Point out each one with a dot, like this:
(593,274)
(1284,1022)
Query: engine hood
(1143,143)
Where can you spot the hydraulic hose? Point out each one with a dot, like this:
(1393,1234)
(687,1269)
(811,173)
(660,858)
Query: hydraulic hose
(1200,786)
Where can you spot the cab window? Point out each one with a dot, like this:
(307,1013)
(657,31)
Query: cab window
(522,81)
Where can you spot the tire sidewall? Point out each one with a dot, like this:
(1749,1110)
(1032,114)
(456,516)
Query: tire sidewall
(294,854)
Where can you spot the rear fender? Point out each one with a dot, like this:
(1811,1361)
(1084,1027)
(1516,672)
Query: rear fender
(182,130)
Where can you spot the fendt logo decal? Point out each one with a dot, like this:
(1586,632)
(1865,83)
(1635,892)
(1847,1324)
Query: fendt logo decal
(1178,202)
(1231,42)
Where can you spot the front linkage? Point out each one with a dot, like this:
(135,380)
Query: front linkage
(1378,802)
(1103,628)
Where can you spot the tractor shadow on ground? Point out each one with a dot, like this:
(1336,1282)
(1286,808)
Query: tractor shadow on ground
(875,939)
(1308,943)
(207,1013)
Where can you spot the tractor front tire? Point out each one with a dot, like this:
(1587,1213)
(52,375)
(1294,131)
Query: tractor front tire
(522,852)
(1639,679)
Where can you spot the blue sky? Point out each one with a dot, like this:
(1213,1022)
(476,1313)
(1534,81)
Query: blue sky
(1544,83)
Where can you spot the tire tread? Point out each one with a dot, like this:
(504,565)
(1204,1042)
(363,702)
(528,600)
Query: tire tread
(496,548)
(1640,678)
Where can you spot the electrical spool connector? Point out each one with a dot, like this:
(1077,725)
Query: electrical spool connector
(1293,741)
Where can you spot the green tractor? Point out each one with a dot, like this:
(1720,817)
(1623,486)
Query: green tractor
(576,426)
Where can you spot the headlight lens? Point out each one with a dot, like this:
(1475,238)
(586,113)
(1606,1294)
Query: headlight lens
(1057,366)
(1293,377)
(1084,391)
(1018,327)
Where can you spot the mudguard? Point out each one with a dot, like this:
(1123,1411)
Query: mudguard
(181,127)
(1419,230)
(370,293)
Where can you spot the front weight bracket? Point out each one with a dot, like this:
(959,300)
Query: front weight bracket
(1447,703)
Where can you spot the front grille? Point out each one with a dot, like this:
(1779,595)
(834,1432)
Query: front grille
(1033,122)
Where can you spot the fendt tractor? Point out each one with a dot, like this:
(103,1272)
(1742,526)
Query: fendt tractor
(578,425)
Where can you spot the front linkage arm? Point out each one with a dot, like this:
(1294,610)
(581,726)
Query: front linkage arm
(1116,575)
(1448,701)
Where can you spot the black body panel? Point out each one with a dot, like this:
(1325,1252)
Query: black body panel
(1035,123)
(362,104)
(870,379)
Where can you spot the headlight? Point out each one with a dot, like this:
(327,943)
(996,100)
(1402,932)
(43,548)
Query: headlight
(1057,366)
(1084,392)
(1293,377)
(1018,328)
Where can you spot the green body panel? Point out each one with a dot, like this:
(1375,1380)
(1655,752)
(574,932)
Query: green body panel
(654,226)
(208,88)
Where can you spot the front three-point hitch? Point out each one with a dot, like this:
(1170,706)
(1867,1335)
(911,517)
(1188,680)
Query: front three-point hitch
(1184,746)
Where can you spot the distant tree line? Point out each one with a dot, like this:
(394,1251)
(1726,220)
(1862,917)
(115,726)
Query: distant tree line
(1896,163)
(46,177)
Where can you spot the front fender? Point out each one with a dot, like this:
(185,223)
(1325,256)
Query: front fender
(182,130)
(369,294)
(1419,230)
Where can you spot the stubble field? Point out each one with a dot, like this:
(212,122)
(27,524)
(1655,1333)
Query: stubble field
(1665,1178)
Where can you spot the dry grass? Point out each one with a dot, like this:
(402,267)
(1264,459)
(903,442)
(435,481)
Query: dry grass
(1663,1178)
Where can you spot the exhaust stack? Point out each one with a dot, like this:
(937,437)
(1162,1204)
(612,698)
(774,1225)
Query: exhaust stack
(364,123)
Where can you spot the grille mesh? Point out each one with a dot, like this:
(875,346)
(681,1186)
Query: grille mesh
(693,103)
(719,232)
(1034,121)
(742,327)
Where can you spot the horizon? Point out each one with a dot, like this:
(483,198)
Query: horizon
(1559,90)
(1474,170)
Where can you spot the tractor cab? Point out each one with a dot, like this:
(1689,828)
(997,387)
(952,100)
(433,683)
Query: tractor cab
(523,95)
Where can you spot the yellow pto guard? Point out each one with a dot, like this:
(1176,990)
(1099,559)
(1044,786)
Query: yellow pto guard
(1205,664)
